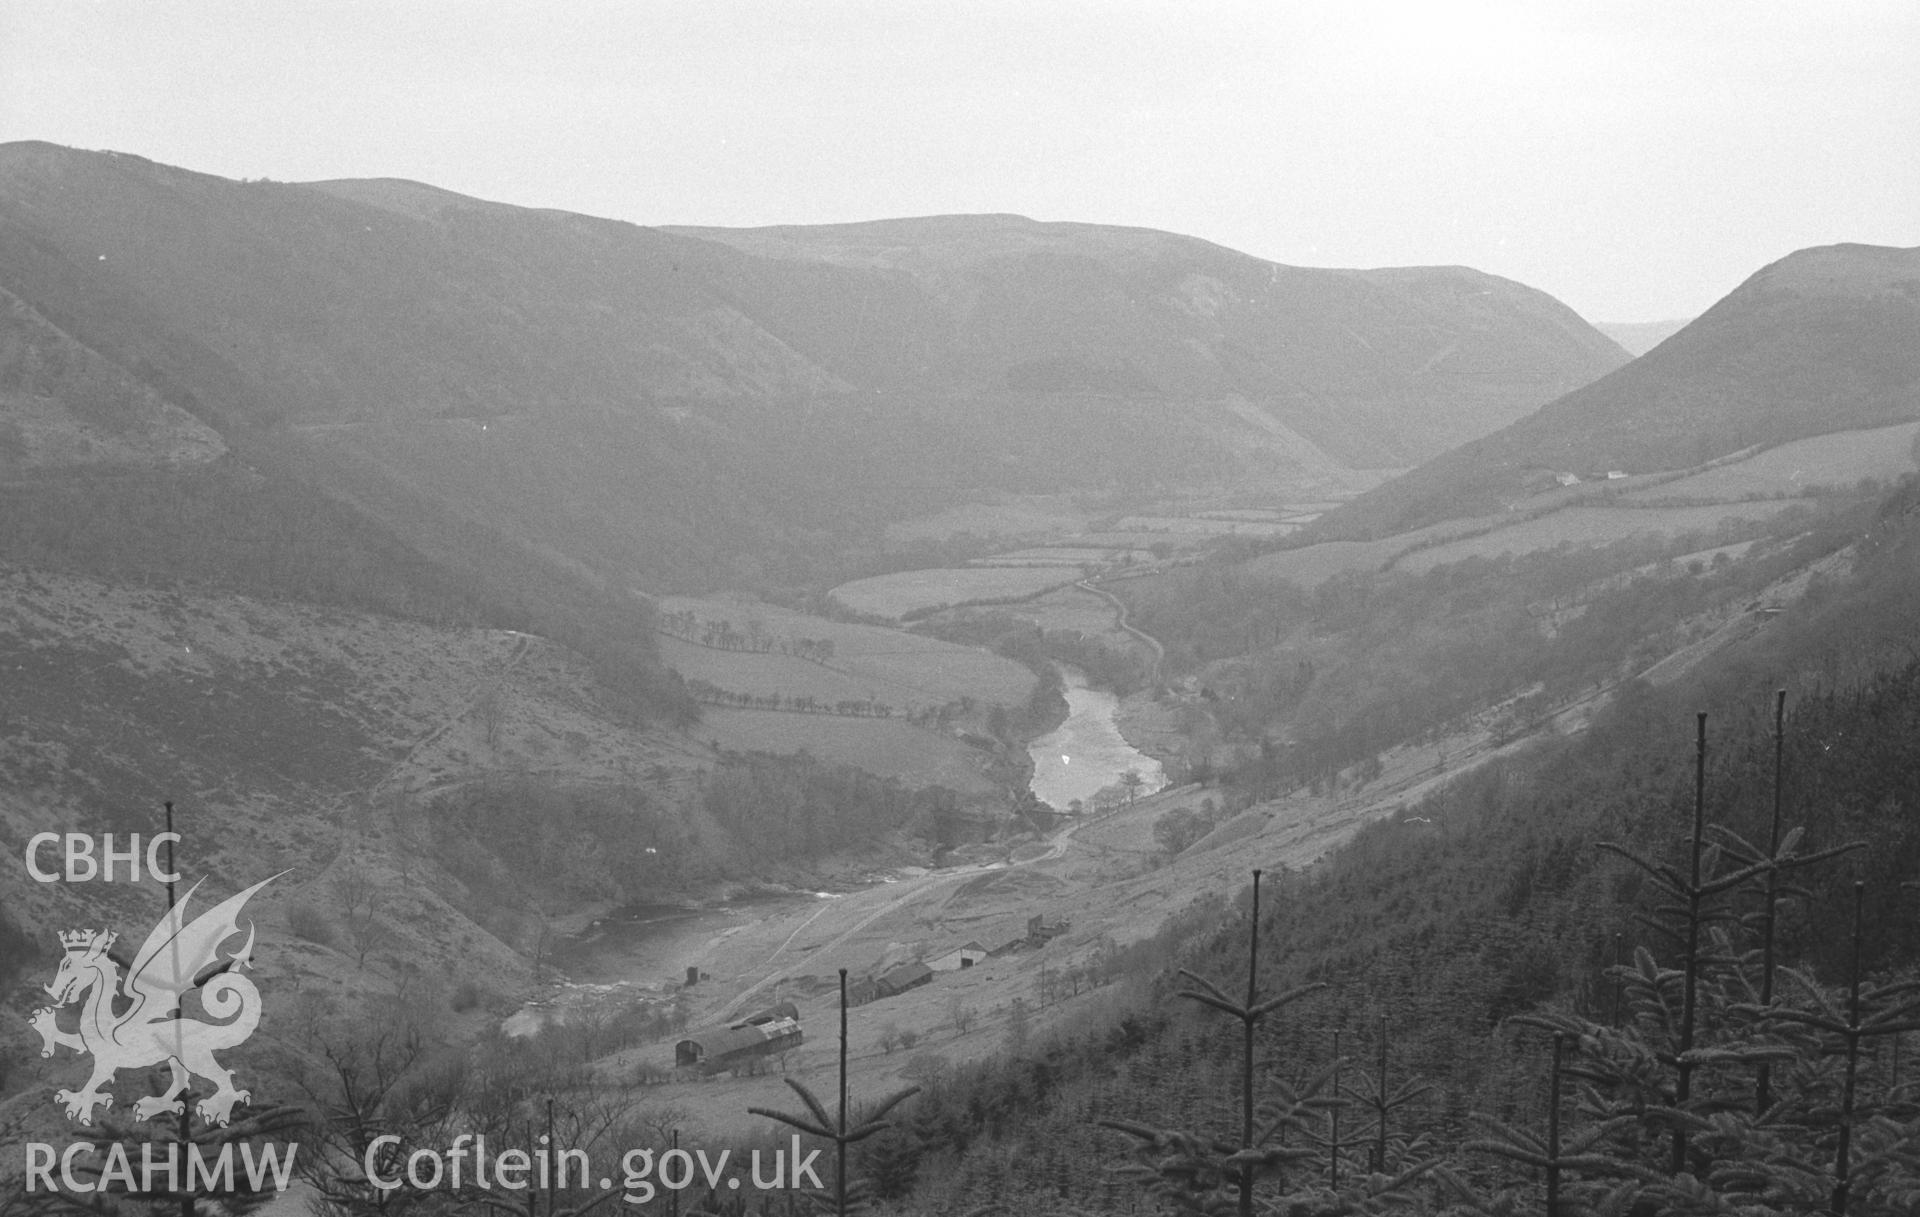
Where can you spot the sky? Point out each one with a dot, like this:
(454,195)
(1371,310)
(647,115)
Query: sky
(1638,160)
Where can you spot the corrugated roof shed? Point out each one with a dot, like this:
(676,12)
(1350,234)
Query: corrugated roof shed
(785,1009)
(774,1032)
(716,1044)
(905,977)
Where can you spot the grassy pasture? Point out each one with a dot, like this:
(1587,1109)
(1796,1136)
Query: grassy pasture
(898,594)
(1073,608)
(1030,563)
(1733,552)
(1581,517)
(886,747)
(1144,540)
(1317,563)
(891,666)
(763,673)
(1031,516)
(1839,459)
(1206,525)
(1589,526)
(1061,555)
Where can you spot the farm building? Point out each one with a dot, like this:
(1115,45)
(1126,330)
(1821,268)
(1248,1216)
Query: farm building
(785,1010)
(906,976)
(963,956)
(764,1034)
(1039,930)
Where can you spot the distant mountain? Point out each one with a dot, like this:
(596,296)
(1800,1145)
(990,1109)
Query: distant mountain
(1824,340)
(1376,367)
(1639,337)
(695,407)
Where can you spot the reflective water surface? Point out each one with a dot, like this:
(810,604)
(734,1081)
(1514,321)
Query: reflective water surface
(1087,753)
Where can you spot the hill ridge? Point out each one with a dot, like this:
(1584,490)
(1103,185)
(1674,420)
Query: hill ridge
(650,406)
(1822,340)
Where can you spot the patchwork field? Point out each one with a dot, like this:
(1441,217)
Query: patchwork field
(1212,524)
(1316,564)
(762,674)
(1292,513)
(1061,555)
(1145,540)
(1840,459)
(1030,563)
(1756,488)
(896,595)
(898,668)
(1031,516)
(1591,526)
(1074,608)
(887,747)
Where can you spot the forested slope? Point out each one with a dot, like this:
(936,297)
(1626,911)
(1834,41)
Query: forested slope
(1492,900)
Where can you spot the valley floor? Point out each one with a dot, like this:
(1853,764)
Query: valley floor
(1105,882)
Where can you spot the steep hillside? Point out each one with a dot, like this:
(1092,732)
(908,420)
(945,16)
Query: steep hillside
(63,407)
(287,733)
(1824,340)
(1639,337)
(1489,899)
(695,408)
(1377,368)
(489,780)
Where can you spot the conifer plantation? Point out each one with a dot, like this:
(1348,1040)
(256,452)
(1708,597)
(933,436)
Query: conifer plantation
(1670,967)
(959,610)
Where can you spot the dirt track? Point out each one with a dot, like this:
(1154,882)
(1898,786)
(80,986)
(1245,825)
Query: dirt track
(1105,878)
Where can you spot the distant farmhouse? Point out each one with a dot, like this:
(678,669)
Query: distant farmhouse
(764,1034)
(898,980)
(1540,478)
(1041,931)
(906,976)
(963,956)
(890,983)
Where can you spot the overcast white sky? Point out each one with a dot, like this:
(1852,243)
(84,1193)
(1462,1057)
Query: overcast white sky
(1638,160)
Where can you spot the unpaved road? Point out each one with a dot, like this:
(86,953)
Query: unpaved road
(1106,878)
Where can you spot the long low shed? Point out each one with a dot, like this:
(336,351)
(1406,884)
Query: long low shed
(765,1034)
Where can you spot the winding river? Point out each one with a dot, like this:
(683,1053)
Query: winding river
(650,946)
(1087,754)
